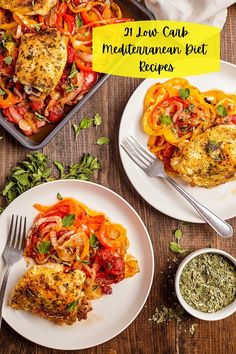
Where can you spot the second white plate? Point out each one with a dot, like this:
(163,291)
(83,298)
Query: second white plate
(156,191)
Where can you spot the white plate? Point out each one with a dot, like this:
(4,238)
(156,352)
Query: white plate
(112,313)
(156,191)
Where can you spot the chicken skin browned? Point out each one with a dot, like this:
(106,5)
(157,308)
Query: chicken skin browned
(29,7)
(49,292)
(208,159)
(42,59)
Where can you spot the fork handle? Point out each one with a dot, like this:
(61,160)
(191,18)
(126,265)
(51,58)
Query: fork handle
(220,226)
(3,288)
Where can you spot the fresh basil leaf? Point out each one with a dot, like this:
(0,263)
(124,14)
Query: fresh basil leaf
(97,119)
(8,60)
(85,123)
(44,247)
(103,140)
(59,197)
(2,92)
(184,93)
(72,305)
(176,248)
(222,110)
(166,120)
(68,220)
(76,129)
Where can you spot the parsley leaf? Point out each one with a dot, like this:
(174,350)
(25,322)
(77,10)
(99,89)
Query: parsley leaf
(68,220)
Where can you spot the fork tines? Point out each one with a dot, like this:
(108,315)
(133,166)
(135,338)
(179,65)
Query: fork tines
(17,232)
(139,154)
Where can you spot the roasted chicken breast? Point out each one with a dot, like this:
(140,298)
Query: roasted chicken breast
(49,292)
(29,7)
(42,59)
(208,159)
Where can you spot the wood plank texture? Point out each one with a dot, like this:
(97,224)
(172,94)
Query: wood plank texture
(142,336)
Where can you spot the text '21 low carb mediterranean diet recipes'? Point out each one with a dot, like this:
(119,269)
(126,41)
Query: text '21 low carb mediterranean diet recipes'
(46,57)
(78,255)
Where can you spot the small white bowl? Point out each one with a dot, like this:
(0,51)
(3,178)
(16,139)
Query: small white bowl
(218,315)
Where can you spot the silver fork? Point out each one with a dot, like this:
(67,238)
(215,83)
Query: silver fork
(12,251)
(154,168)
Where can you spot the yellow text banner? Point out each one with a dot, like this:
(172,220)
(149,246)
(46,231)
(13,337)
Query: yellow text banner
(154,49)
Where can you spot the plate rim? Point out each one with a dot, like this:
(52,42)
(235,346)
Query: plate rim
(122,154)
(151,252)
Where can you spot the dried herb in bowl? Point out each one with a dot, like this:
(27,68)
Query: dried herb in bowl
(208,282)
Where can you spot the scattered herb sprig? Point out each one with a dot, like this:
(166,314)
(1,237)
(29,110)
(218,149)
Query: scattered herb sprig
(37,169)
(175,246)
(86,123)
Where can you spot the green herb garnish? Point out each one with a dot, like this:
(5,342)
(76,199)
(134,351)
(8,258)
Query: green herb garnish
(178,234)
(44,247)
(73,71)
(68,220)
(85,123)
(176,248)
(40,117)
(166,120)
(59,197)
(85,261)
(102,141)
(38,26)
(208,282)
(222,110)
(76,129)
(8,60)
(93,240)
(184,93)
(36,169)
(97,119)
(2,92)
(71,88)
(72,305)
(79,22)
(212,146)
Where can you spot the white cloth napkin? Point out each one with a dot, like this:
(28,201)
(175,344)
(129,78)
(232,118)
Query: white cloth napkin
(210,12)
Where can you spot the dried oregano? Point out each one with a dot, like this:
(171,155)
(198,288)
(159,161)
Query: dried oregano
(208,282)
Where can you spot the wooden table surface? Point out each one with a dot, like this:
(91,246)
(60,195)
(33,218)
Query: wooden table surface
(142,336)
